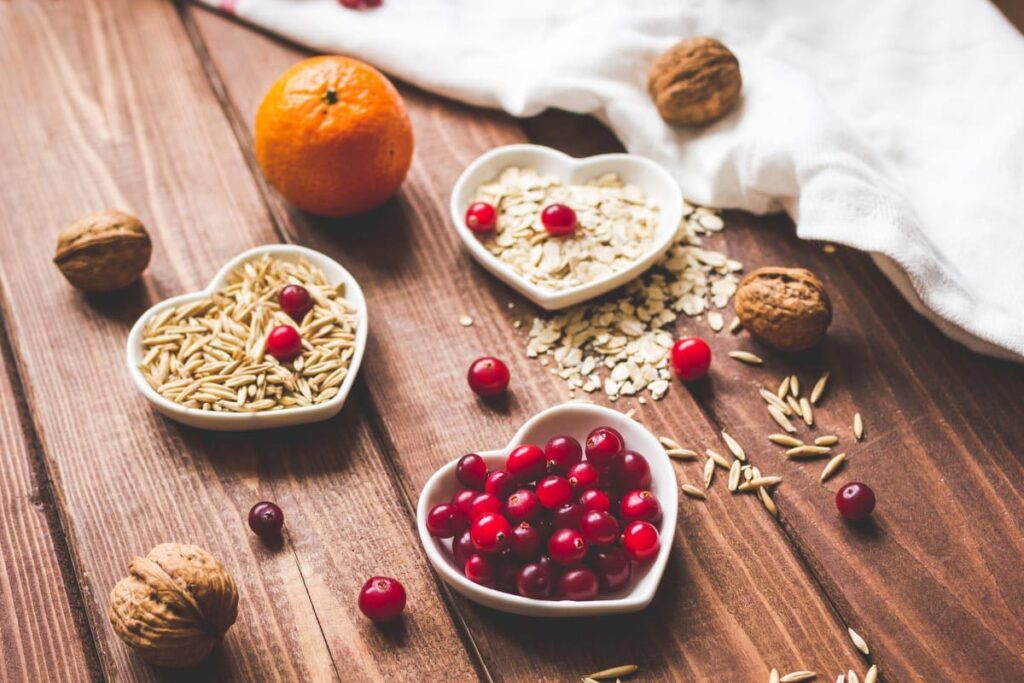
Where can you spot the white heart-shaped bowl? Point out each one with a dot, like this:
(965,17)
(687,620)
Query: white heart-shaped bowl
(224,421)
(577,420)
(658,185)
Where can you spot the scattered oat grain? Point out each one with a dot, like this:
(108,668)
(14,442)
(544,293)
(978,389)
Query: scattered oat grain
(796,676)
(709,472)
(858,426)
(784,440)
(819,388)
(826,440)
(614,672)
(832,467)
(734,475)
(734,447)
(781,419)
(858,641)
(806,412)
(746,357)
(465,321)
(694,492)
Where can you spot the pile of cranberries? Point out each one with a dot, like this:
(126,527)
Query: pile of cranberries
(563,522)
(284,342)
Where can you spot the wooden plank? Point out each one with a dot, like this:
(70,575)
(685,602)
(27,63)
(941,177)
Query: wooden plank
(736,599)
(129,120)
(43,633)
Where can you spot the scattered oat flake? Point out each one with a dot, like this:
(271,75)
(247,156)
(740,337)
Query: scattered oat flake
(614,672)
(858,426)
(715,321)
(832,467)
(746,357)
(796,676)
(735,326)
(465,321)
(858,641)
(694,492)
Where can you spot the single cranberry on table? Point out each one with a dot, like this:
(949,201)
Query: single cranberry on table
(595,499)
(480,569)
(284,343)
(567,517)
(534,580)
(526,463)
(855,501)
(439,520)
(462,548)
(490,532)
(612,566)
(481,217)
(484,503)
(563,452)
(578,583)
(584,476)
(266,520)
(295,301)
(690,358)
(554,491)
(640,539)
(640,505)
(558,219)
(603,444)
(382,598)
(599,528)
(522,506)
(488,376)
(526,542)
(500,484)
(567,546)
(471,471)
(629,470)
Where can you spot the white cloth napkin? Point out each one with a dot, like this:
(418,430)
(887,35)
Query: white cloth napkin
(893,126)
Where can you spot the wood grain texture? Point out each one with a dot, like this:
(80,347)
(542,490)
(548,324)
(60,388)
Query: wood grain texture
(132,123)
(736,599)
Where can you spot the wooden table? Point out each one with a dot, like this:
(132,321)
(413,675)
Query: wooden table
(146,105)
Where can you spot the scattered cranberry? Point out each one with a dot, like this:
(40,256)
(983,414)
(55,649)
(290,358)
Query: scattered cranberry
(382,598)
(526,542)
(266,520)
(558,219)
(599,528)
(462,548)
(480,569)
(500,484)
(640,505)
(595,499)
(439,520)
(640,539)
(295,301)
(629,470)
(488,376)
(603,444)
(554,491)
(471,471)
(284,343)
(563,452)
(522,506)
(484,503)
(613,568)
(567,546)
(855,501)
(578,583)
(691,358)
(481,217)
(534,581)
(567,517)
(490,532)
(526,463)
(584,476)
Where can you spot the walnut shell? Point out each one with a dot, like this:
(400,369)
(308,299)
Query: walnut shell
(175,606)
(103,251)
(695,81)
(785,308)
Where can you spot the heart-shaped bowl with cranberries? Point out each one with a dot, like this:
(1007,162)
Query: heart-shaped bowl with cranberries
(576,420)
(657,184)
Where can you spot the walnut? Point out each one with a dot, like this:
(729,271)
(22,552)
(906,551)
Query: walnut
(175,606)
(695,81)
(785,308)
(103,251)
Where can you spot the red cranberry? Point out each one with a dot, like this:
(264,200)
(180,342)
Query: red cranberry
(552,566)
(525,542)
(351,4)
(526,463)
(284,343)
(482,504)
(481,217)
(505,576)
(567,517)
(534,581)
(640,539)
(578,583)
(855,501)
(382,598)
(599,528)
(295,301)
(266,520)
(690,358)
(603,444)
(554,491)
(500,484)
(522,506)
(463,501)
(558,219)
(488,376)
(471,471)
(490,532)
(640,505)
(480,569)
(595,499)
(584,476)
(563,452)
(462,548)
(439,520)
(612,566)
(629,470)
(567,546)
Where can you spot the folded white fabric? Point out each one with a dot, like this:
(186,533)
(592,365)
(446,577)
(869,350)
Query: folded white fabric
(893,126)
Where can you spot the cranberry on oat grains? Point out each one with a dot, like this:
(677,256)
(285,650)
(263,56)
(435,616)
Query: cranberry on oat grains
(558,219)
(481,217)
(284,343)
(295,301)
